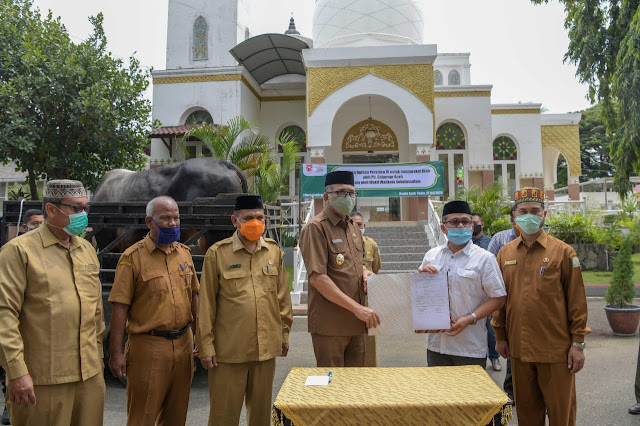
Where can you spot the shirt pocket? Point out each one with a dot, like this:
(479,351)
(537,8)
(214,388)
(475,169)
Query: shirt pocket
(338,254)
(88,280)
(469,281)
(549,283)
(155,281)
(232,280)
(270,277)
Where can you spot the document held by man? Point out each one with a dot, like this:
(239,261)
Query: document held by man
(430,302)
(391,296)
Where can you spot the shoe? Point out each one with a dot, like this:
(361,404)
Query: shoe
(5,417)
(634,409)
(495,364)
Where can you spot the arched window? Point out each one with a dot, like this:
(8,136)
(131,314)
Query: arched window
(200,39)
(450,136)
(199,117)
(451,144)
(297,134)
(454,78)
(505,168)
(504,149)
(437,78)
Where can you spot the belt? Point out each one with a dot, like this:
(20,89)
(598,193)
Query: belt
(168,334)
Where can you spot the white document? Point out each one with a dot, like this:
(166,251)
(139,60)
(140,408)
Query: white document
(317,381)
(430,302)
(390,297)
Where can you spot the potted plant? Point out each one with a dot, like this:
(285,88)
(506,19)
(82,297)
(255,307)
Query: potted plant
(623,317)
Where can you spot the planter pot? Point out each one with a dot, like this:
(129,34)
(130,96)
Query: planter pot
(623,321)
(288,256)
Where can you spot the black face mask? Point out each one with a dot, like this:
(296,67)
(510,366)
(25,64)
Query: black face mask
(477,229)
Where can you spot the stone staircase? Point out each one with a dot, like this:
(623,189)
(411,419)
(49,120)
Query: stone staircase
(402,247)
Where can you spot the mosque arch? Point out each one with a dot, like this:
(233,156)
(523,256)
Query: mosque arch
(505,148)
(418,116)
(454,78)
(506,168)
(451,144)
(437,78)
(200,41)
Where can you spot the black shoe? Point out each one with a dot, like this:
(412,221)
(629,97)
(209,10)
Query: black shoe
(634,409)
(5,417)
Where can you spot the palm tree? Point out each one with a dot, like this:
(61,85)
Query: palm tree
(222,142)
(270,177)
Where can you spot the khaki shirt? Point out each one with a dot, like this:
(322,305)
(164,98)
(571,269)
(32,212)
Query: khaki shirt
(244,311)
(333,247)
(51,320)
(546,306)
(371,255)
(159,286)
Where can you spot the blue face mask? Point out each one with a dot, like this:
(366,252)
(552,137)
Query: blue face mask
(167,235)
(459,236)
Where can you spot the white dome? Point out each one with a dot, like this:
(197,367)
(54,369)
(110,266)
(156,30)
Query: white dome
(367,22)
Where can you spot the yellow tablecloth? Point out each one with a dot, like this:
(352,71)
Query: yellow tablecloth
(457,396)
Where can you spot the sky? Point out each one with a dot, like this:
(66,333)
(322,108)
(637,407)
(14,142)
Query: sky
(516,46)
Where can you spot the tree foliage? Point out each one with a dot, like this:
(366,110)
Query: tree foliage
(224,142)
(271,176)
(595,145)
(68,110)
(621,291)
(604,44)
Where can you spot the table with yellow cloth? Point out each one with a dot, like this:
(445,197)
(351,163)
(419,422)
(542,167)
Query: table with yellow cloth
(391,396)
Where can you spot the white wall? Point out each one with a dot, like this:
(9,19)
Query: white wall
(474,114)
(445,62)
(524,129)
(226,29)
(275,116)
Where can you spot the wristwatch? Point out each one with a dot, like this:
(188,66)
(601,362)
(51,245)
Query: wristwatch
(580,346)
(475,318)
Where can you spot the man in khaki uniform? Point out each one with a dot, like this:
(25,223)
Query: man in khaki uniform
(373,263)
(51,321)
(544,321)
(333,255)
(155,294)
(244,318)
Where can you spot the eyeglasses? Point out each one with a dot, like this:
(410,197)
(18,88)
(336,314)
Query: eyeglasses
(343,193)
(77,209)
(456,222)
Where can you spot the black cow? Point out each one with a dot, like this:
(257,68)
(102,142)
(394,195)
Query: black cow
(183,181)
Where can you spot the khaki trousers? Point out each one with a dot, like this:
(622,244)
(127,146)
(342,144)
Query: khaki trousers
(230,384)
(338,351)
(540,386)
(159,373)
(66,404)
(370,352)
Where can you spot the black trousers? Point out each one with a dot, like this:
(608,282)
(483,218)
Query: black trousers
(638,378)
(436,359)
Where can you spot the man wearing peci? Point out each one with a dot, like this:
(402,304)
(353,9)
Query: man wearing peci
(333,254)
(476,290)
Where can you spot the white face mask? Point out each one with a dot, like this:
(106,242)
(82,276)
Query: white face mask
(362,230)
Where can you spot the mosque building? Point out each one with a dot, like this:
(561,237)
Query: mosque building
(364,89)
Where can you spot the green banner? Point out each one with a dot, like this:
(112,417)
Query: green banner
(380,180)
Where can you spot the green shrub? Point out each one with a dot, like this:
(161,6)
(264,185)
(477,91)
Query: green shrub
(491,205)
(501,223)
(609,236)
(289,240)
(572,229)
(621,291)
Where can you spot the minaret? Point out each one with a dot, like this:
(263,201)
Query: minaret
(292,27)
(200,33)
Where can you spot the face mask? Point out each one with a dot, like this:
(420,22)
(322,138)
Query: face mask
(362,231)
(167,235)
(77,223)
(343,205)
(477,229)
(252,229)
(459,236)
(31,228)
(529,223)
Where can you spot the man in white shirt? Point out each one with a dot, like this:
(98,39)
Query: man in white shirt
(476,290)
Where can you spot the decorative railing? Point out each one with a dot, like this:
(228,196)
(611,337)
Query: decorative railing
(433,224)
(299,270)
(293,212)
(572,208)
